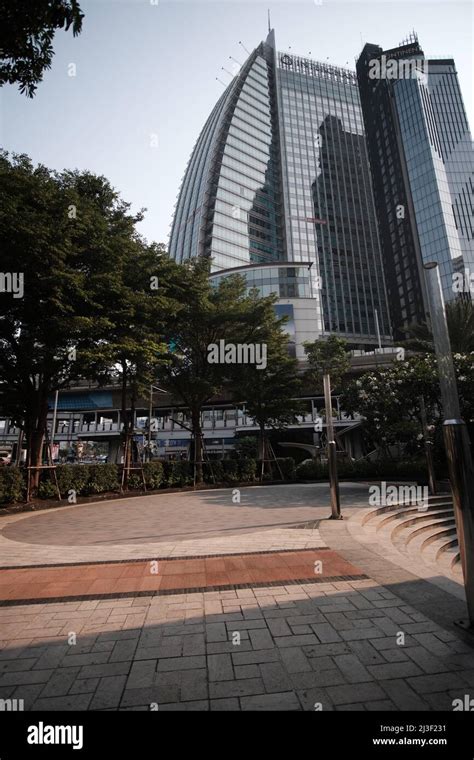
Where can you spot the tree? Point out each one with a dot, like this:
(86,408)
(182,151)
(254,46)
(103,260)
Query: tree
(209,314)
(388,399)
(67,238)
(133,348)
(327,356)
(26,35)
(460,320)
(269,393)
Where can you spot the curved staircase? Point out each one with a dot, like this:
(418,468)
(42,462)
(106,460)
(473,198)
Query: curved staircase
(427,534)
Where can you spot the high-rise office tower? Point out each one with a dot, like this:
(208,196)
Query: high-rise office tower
(278,188)
(421,160)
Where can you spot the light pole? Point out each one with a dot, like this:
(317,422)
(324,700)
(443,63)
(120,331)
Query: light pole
(332,457)
(456,438)
(428,447)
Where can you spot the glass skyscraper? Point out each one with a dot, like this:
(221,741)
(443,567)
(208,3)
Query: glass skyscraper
(278,187)
(421,158)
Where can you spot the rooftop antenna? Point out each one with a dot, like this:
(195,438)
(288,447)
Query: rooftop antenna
(241,43)
(223,83)
(269,24)
(235,60)
(227,71)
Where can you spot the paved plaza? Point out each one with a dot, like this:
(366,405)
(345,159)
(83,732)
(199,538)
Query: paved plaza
(193,602)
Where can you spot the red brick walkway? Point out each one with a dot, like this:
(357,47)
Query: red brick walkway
(110,579)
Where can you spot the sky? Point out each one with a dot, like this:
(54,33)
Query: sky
(146,78)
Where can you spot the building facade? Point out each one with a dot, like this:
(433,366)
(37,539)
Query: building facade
(278,187)
(421,159)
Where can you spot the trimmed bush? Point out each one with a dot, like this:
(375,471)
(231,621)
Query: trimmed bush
(247,469)
(102,477)
(11,485)
(72,477)
(214,468)
(47,490)
(231,470)
(153,474)
(135,482)
(287,467)
(383,468)
(178,473)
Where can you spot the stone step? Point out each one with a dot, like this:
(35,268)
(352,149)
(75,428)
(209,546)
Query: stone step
(393,510)
(422,533)
(447,556)
(401,520)
(428,548)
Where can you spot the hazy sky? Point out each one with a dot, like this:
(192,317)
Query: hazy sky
(146,73)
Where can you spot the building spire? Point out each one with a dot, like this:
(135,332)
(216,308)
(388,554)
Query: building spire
(269,24)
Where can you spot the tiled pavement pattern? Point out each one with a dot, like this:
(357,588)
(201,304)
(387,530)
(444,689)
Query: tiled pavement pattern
(14,554)
(89,581)
(167,525)
(337,645)
(297,647)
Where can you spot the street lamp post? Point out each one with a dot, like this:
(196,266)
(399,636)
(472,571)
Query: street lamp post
(428,447)
(332,457)
(456,438)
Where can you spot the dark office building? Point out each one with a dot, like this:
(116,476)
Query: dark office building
(420,152)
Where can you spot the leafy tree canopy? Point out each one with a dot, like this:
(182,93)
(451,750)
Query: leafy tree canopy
(460,320)
(389,399)
(327,356)
(26,38)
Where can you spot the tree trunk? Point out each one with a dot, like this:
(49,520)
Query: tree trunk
(198,448)
(36,429)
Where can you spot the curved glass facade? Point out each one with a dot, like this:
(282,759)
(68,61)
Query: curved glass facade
(280,174)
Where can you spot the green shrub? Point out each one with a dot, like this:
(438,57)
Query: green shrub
(47,490)
(72,477)
(135,482)
(102,478)
(184,473)
(287,467)
(213,472)
(154,474)
(231,470)
(382,468)
(178,473)
(247,469)
(11,485)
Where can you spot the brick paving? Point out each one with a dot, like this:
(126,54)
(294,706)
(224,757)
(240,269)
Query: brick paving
(165,575)
(242,649)
(264,643)
(167,525)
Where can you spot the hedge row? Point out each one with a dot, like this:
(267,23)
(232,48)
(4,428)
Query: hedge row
(413,468)
(86,480)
